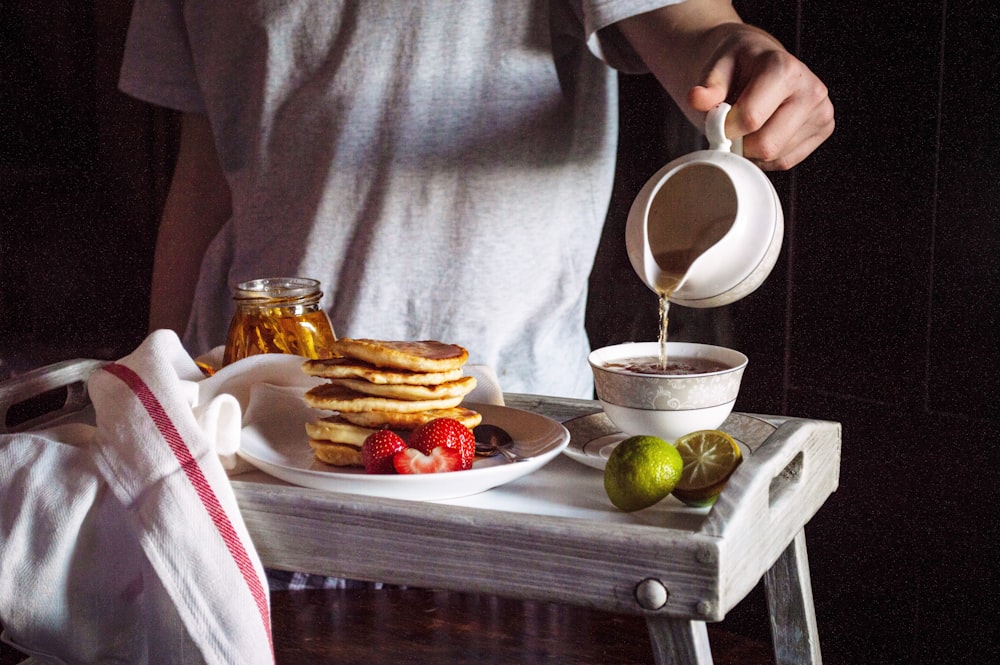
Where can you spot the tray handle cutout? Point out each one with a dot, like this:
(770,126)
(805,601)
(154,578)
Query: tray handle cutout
(785,481)
(43,395)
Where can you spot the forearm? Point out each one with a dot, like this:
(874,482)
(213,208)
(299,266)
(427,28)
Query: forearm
(197,206)
(675,42)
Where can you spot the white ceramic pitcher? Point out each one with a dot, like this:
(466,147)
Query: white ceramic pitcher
(708,225)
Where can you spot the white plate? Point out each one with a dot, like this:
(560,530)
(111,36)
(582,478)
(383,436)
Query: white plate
(278,447)
(593,437)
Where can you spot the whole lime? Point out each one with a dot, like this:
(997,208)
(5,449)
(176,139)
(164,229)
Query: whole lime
(641,471)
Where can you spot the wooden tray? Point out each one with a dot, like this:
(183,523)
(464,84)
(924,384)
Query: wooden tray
(553,535)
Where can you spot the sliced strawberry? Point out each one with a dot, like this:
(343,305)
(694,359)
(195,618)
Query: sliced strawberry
(448,433)
(378,450)
(441,459)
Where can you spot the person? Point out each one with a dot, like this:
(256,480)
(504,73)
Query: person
(443,167)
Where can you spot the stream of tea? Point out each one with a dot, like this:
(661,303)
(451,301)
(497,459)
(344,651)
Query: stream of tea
(663,365)
(664,320)
(673,267)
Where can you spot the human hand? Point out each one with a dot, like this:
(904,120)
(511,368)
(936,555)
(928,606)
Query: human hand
(780,107)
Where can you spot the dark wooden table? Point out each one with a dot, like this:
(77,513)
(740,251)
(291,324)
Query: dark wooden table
(396,625)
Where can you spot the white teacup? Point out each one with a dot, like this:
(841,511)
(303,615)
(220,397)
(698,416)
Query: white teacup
(667,406)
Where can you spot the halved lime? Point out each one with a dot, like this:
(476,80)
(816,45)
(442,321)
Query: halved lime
(710,457)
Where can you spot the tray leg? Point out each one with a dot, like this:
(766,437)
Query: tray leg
(679,641)
(790,602)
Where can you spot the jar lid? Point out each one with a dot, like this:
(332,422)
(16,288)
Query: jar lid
(269,288)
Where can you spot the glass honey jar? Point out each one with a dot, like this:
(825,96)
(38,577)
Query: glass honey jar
(278,315)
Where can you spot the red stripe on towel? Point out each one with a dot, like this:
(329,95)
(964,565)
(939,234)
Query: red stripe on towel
(201,486)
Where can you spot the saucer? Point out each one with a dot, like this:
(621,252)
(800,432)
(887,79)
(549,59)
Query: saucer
(593,437)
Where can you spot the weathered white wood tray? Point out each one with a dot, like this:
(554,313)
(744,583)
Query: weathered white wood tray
(554,536)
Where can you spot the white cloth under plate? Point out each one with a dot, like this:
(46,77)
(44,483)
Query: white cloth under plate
(243,387)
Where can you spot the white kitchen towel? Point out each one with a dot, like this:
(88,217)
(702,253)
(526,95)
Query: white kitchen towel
(123,542)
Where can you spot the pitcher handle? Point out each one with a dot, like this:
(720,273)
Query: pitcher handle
(715,131)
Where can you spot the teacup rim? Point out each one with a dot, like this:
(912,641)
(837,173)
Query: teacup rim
(639,349)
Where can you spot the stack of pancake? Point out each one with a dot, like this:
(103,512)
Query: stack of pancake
(373,385)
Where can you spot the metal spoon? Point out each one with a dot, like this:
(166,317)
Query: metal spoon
(492,440)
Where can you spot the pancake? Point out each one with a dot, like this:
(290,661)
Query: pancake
(422,356)
(337,430)
(458,388)
(377,384)
(411,420)
(336,454)
(338,398)
(351,368)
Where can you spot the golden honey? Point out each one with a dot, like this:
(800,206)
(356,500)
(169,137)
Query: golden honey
(278,315)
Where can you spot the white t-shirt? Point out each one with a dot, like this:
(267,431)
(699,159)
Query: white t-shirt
(443,167)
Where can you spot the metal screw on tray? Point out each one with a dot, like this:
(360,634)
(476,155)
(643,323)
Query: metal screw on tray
(492,440)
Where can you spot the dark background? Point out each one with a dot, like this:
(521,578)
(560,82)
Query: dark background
(881,313)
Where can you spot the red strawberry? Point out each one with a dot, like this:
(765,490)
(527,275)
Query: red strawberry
(378,449)
(445,432)
(440,459)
